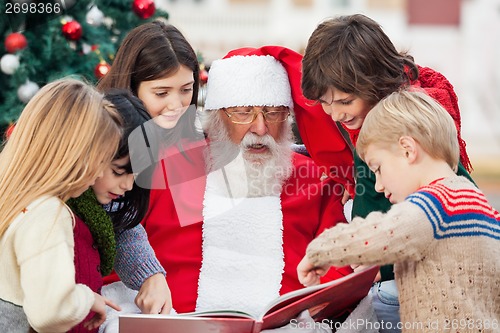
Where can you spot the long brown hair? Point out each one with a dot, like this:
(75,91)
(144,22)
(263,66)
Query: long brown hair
(152,51)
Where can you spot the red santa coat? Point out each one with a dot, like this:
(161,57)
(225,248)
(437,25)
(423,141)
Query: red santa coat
(309,206)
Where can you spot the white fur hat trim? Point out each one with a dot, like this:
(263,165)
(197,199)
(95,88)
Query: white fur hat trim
(247,81)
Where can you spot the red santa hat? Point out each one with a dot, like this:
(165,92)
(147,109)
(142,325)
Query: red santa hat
(246,81)
(271,75)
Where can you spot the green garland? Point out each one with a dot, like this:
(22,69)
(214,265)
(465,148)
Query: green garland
(95,217)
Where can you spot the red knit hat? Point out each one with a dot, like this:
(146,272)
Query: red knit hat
(313,123)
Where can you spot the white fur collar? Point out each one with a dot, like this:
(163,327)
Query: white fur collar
(242,246)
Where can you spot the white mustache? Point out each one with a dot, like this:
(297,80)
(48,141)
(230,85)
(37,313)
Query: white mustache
(251,139)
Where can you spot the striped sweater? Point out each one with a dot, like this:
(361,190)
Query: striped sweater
(444,241)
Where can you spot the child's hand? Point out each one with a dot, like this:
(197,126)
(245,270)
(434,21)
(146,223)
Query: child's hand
(308,274)
(154,295)
(99,307)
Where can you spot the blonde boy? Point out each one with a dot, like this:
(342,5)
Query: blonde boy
(442,235)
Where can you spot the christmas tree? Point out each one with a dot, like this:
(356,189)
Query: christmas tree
(47,40)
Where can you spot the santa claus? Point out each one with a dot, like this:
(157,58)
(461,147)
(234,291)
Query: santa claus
(231,236)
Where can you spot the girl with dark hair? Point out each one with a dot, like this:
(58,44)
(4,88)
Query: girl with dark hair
(114,204)
(158,65)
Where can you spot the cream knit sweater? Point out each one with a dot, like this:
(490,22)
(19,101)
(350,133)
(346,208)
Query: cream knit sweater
(37,268)
(444,241)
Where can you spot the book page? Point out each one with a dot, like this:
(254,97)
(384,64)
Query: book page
(218,313)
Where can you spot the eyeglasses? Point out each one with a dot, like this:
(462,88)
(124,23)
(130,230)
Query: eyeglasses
(247,114)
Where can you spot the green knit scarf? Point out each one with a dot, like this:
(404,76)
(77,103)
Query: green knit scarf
(95,217)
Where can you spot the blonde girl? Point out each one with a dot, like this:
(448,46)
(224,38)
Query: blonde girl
(65,136)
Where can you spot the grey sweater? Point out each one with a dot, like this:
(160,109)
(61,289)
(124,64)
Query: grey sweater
(135,258)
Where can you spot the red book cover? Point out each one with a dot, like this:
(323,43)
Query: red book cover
(327,300)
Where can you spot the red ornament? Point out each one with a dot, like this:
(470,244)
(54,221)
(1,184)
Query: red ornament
(8,131)
(144,8)
(101,69)
(203,76)
(15,42)
(72,30)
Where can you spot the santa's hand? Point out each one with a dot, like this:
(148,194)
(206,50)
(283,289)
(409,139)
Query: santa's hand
(302,324)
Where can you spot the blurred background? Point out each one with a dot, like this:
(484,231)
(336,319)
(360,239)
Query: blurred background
(459,38)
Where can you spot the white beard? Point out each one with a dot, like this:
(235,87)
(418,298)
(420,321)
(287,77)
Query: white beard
(264,173)
(242,246)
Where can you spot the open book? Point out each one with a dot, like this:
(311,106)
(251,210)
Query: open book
(327,300)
